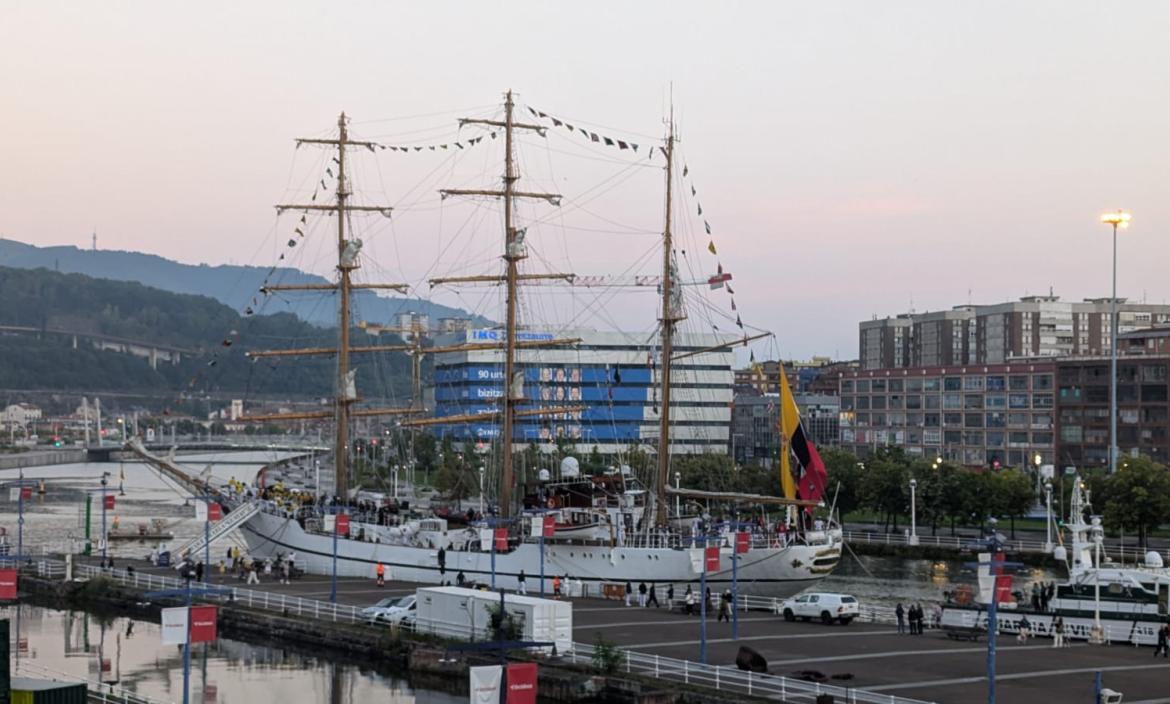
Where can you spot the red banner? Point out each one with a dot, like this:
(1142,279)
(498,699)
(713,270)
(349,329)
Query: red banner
(203,623)
(501,539)
(342,524)
(214,512)
(743,542)
(8,583)
(712,561)
(550,526)
(26,492)
(109,499)
(522,683)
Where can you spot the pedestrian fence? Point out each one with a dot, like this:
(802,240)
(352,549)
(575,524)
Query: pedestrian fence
(731,679)
(942,541)
(98,691)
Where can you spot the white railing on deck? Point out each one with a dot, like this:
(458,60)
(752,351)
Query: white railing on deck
(98,691)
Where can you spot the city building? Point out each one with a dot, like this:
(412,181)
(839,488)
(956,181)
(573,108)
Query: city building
(613,375)
(1034,326)
(1082,405)
(977,415)
(453,325)
(764,377)
(755,436)
(884,343)
(19,415)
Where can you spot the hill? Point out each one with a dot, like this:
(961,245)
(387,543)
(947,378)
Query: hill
(69,312)
(232,285)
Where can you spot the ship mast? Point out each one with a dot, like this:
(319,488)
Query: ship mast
(514,251)
(347,261)
(670,316)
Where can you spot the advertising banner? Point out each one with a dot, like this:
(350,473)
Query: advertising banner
(485,684)
(522,683)
(174,625)
(743,542)
(343,524)
(26,492)
(712,559)
(501,539)
(203,623)
(109,502)
(8,584)
(550,526)
(214,512)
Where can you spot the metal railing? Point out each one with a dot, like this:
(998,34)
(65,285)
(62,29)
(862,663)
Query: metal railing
(943,541)
(98,691)
(733,680)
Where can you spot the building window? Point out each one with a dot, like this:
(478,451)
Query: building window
(952,401)
(930,437)
(863,386)
(1042,400)
(863,403)
(952,437)
(1018,439)
(846,386)
(1153,394)
(972,383)
(973,401)
(878,403)
(1018,420)
(972,437)
(973,420)
(878,385)
(896,403)
(1018,383)
(995,439)
(913,386)
(895,386)
(930,420)
(996,401)
(996,420)
(952,383)
(995,383)
(1017,400)
(952,419)
(930,383)
(1070,393)
(913,403)
(1154,372)
(1041,382)
(1127,415)
(933,403)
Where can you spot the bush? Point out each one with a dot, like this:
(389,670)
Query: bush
(607,657)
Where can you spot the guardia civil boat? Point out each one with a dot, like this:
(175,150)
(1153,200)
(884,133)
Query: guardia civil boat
(594,530)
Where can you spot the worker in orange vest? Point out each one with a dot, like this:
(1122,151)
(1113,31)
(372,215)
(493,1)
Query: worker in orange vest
(381,572)
(556,587)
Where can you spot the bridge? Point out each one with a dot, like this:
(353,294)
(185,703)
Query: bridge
(151,351)
(107,452)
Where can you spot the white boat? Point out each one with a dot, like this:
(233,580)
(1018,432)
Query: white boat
(605,531)
(1101,600)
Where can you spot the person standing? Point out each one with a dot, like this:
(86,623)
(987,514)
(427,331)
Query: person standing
(725,607)
(557,589)
(642,595)
(380,571)
(900,613)
(653,597)
(670,597)
(1058,633)
(442,563)
(523,589)
(1163,641)
(689,600)
(629,592)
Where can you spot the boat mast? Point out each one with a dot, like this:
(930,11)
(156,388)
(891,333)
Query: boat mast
(669,317)
(514,251)
(343,400)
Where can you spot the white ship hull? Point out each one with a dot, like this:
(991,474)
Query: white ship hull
(777,572)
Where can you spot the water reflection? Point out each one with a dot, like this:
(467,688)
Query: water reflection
(129,653)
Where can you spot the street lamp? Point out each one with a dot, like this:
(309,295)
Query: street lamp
(913,517)
(937,462)
(677,496)
(395,472)
(1048,522)
(481,471)
(1117,219)
(1036,460)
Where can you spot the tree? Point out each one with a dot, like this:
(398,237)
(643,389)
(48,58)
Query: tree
(1136,498)
(885,484)
(1015,495)
(844,479)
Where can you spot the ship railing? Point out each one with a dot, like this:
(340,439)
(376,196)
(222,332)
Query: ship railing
(942,541)
(98,691)
(730,679)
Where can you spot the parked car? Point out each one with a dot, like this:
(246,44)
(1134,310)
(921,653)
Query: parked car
(826,607)
(389,610)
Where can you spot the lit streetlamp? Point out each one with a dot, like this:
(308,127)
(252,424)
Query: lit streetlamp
(481,471)
(913,517)
(1117,219)
(677,497)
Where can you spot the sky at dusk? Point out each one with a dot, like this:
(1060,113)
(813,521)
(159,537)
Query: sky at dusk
(853,158)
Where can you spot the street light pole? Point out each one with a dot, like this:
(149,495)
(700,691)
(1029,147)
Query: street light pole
(1117,219)
(105,481)
(481,472)
(913,513)
(1048,521)
(677,497)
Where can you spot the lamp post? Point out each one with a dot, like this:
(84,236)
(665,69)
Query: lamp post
(105,482)
(677,497)
(1097,634)
(1117,219)
(481,471)
(1036,460)
(913,512)
(1048,520)
(394,471)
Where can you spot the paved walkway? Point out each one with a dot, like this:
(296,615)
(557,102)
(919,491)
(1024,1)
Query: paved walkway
(868,656)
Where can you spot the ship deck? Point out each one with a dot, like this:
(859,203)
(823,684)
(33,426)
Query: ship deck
(873,657)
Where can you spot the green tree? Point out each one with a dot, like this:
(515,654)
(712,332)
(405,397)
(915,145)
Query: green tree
(844,479)
(1136,498)
(1015,495)
(885,484)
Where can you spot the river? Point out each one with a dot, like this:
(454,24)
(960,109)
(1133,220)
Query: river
(228,671)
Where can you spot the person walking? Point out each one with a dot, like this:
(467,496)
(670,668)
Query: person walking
(629,592)
(1058,633)
(523,588)
(284,572)
(725,607)
(653,597)
(1025,630)
(198,571)
(1163,641)
(670,597)
(1035,596)
(460,580)
(642,595)
(557,589)
(252,577)
(900,613)
(689,600)
(442,563)
(380,571)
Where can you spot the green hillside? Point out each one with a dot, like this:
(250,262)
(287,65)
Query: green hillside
(215,334)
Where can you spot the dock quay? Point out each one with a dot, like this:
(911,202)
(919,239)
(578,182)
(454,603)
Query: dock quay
(866,661)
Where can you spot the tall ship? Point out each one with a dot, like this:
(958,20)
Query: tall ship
(612,526)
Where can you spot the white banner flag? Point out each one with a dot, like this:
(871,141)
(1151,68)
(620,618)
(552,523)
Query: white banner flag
(174,625)
(201,511)
(485,684)
(537,526)
(330,522)
(698,556)
(14,494)
(485,539)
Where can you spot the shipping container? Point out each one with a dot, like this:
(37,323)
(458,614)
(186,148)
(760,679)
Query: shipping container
(26,690)
(466,614)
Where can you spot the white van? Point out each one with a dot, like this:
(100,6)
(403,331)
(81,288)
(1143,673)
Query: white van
(826,607)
